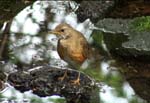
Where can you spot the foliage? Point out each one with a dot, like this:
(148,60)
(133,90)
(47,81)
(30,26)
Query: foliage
(59,100)
(141,24)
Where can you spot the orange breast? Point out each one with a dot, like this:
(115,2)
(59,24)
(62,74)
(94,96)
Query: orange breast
(75,55)
(78,57)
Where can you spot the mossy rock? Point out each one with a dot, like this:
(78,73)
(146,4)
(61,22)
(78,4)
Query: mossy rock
(123,38)
(128,42)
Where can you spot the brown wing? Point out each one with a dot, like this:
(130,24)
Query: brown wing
(86,52)
(60,50)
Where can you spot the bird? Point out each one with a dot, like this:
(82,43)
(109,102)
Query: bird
(72,47)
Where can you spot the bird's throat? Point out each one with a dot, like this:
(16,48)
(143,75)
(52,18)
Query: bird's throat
(64,37)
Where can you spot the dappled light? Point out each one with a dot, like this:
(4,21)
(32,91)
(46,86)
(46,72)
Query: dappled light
(34,64)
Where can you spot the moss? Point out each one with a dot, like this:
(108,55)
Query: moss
(141,24)
(97,37)
(98,41)
(58,100)
(93,73)
(36,100)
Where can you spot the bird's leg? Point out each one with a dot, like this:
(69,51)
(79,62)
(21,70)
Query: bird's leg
(63,77)
(77,81)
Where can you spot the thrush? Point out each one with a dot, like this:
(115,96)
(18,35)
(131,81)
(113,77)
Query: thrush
(72,47)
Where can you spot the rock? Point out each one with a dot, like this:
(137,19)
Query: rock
(122,40)
(94,10)
(43,81)
(128,42)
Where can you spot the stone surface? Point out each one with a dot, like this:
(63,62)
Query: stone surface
(123,40)
(129,45)
(43,81)
(94,10)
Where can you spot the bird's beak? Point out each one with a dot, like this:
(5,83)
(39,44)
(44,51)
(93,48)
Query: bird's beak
(54,32)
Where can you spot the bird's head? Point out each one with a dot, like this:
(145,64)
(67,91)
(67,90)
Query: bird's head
(62,30)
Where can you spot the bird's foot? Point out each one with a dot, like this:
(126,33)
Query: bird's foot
(77,81)
(63,77)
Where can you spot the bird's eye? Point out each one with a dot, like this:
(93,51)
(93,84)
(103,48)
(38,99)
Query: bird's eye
(62,30)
